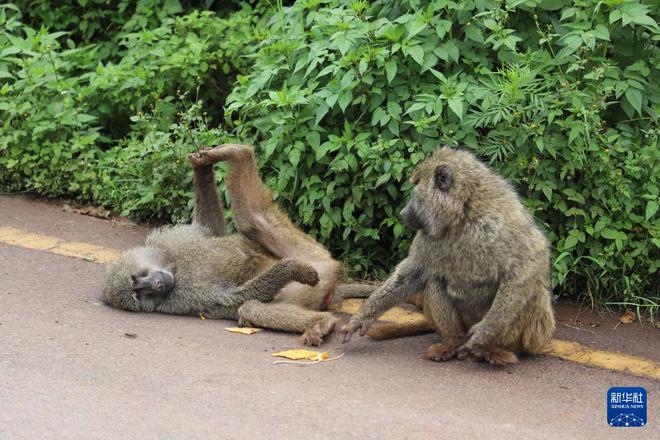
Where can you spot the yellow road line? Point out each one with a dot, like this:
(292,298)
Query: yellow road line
(85,251)
(568,350)
(625,363)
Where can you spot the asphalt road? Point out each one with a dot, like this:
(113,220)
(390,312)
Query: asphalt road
(68,370)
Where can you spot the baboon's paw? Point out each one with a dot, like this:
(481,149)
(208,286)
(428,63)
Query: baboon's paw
(500,357)
(199,159)
(316,332)
(306,274)
(440,352)
(311,337)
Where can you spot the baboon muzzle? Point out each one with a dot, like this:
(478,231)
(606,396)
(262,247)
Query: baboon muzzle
(411,217)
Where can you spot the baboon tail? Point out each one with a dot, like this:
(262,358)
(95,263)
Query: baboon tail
(355,290)
(389,330)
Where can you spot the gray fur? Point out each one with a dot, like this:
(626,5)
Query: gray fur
(480,260)
(269,274)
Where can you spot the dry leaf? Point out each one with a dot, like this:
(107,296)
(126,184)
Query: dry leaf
(303,354)
(628,317)
(243,330)
(202,317)
(130,335)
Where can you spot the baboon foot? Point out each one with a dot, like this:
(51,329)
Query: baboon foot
(200,159)
(440,352)
(306,274)
(221,153)
(500,357)
(316,332)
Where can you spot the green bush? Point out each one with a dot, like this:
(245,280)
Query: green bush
(343,99)
(561,97)
(47,133)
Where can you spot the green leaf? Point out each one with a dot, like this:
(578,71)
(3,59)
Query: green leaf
(547,191)
(417,53)
(377,115)
(634,98)
(612,234)
(651,209)
(601,32)
(415,26)
(294,157)
(456,106)
(600,224)
(390,70)
(345,98)
(382,179)
(570,242)
(321,111)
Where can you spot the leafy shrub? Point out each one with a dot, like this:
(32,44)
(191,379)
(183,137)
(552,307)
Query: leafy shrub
(343,99)
(196,54)
(73,126)
(46,130)
(560,97)
(147,175)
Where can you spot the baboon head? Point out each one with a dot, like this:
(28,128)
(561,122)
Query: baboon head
(444,185)
(139,280)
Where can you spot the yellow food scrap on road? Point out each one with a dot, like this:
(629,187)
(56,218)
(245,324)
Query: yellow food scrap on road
(243,330)
(297,355)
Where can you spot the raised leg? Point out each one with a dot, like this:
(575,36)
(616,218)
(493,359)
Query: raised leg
(313,325)
(208,208)
(260,219)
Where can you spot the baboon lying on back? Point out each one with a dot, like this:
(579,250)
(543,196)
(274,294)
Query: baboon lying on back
(197,269)
(481,262)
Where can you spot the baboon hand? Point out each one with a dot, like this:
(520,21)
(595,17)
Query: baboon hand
(474,347)
(346,330)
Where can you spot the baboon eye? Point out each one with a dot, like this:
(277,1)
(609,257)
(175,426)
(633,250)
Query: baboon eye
(444,177)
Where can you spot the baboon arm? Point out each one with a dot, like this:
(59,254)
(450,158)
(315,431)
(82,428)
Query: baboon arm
(509,301)
(208,208)
(268,283)
(406,279)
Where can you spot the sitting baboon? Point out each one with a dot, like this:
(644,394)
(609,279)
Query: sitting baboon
(480,260)
(197,269)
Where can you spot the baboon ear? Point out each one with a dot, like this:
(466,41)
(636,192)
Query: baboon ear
(444,177)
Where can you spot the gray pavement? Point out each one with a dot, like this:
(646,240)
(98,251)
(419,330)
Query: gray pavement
(68,370)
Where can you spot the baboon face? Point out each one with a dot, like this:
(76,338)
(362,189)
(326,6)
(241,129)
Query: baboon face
(135,282)
(439,198)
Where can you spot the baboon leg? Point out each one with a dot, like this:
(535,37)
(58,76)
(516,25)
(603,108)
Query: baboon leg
(208,207)
(260,219)
(314,326)
(532,330)
(447,322)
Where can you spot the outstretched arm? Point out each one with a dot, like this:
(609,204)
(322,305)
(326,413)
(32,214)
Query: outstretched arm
(407,278)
